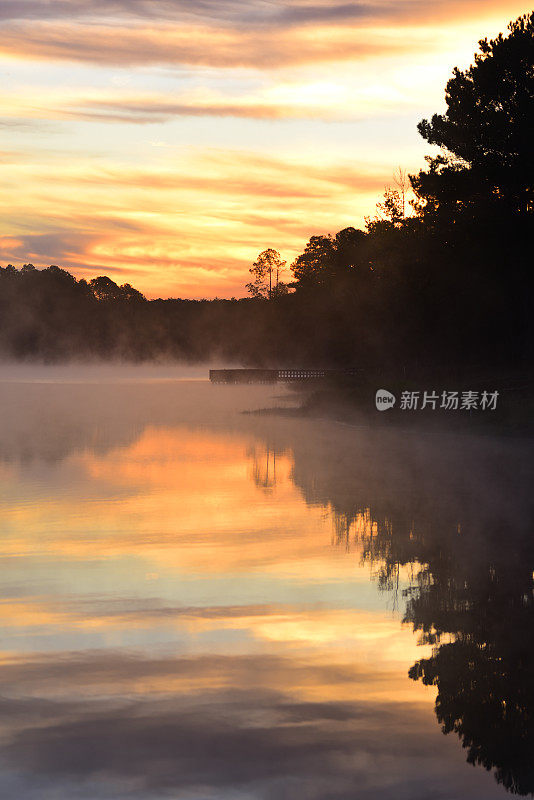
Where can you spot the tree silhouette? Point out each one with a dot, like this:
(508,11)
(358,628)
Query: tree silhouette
(486,132)
(327,259)
(266,273)
(104,289)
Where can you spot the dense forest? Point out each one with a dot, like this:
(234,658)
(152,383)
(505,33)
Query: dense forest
(449,282)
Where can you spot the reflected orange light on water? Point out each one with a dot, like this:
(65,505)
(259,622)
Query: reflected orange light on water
(181,498)
(179,590)
(194,504)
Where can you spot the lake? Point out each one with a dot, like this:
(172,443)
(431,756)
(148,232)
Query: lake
(202,603)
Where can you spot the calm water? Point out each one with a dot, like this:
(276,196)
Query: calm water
(200,603)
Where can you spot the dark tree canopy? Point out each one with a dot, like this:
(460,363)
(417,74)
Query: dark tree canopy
(104,288)
(327,258)
(486,132)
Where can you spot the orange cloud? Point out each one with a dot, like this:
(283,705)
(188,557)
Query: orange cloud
(189,45)
(122,220)
(215,35)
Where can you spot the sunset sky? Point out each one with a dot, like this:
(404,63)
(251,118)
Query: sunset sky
(166,143)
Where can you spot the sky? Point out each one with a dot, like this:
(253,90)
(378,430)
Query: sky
(166,143)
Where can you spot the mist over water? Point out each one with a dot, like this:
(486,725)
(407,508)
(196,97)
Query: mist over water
(198,602)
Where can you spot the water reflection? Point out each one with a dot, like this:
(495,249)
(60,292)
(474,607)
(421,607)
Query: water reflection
(479,612)
(263,459)
(462,524)
(179,619)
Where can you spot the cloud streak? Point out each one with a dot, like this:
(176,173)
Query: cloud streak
(291,100)
(197,221)
(148,113)
(244,13)
(219,725)
(188,45)
(256,35)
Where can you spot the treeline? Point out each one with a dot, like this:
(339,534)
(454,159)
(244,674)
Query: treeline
(394,294)
(449,284)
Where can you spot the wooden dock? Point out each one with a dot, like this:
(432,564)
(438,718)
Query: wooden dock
(272,375)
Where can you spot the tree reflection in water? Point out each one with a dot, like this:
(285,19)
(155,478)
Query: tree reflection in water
(263,466)
(459,521)
(484,672)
